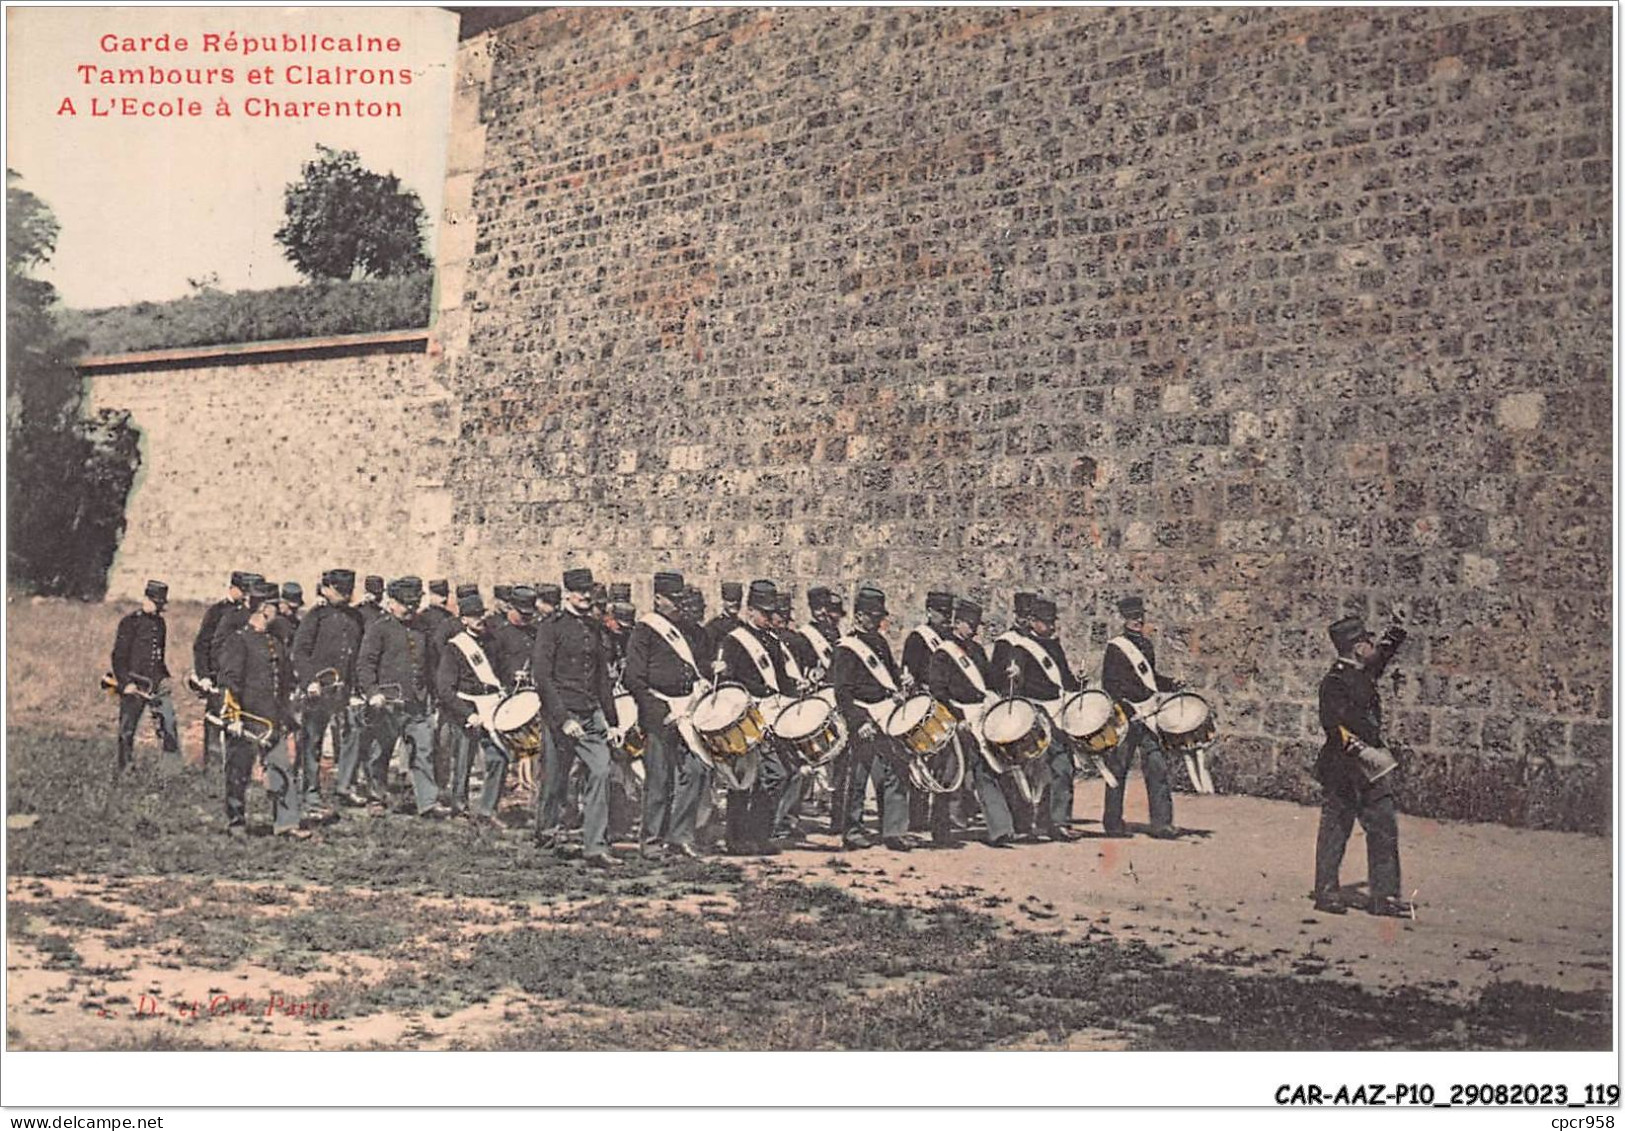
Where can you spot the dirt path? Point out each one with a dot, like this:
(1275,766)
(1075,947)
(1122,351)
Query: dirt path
(1496,904)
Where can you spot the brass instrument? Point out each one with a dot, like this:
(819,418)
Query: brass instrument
(1375,761)
(328,680)
(144,688)
(261,730)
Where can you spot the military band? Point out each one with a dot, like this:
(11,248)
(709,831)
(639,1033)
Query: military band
(432,674)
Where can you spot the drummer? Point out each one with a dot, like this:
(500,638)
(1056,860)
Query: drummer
(801,663)
(961,677)
(752,657)
(465,671)
(1129,675)
(1033,656)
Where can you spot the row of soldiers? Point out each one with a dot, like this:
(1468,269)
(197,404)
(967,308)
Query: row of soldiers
(405,668)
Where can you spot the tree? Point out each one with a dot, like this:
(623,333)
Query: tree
(345,222)
(68,475)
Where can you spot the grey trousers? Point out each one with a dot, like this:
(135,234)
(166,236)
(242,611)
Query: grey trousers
(990,792)
(395,723)
(592,751)
(1378,816)
(130,709)
(323,714)
(673,781)
(1062,772)
(281,784)
(350,746)
(553,790)
(871,761)
(1155,766)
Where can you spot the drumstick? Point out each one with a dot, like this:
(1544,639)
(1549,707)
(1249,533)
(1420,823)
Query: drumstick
(1105,774)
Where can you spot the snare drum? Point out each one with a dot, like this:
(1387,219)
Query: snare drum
(727,722)
(1185,721)
(633,740)
(1094,719)
(921,724)
(1015,731)
(518,721)
(812,728)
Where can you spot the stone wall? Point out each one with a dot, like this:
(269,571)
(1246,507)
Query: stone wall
(288,465)
(1270,314)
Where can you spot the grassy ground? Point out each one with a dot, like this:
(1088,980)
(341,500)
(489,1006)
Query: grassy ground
(113,893)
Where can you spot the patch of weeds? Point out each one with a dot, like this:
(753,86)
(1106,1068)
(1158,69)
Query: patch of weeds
(59,952)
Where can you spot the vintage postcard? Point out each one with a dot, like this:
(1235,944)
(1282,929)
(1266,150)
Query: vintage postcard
(1067,530)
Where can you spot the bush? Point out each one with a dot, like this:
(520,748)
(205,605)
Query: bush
(216,318)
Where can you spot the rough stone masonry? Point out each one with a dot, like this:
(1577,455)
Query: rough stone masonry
(1269,314)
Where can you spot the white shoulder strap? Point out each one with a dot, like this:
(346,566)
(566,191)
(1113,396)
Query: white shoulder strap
(1036,650)
(791,667)
(871,661)
(819,642)
(758,656)
(961,657)
(477,662)
(669,633)
(1142,668)
(932,638)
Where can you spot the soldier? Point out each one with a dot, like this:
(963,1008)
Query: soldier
(328,641)
(1034,658)
(464,679)
(928,811)
(728,619)
(290,606)
(203,656)
(372,597)
(255,672)
(1351,715)
(822,632)
(864,674)
(661,674)
(961,679)
(571,673)
(139,674)
(550,799)
(393,673)
(511,641)
(801,664)
(750,656)
(229,623)
(1129,675)
(437,622)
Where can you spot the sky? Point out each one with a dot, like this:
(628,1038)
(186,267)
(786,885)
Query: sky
(147,203)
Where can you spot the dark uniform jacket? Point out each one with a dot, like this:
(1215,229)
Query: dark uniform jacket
(570,668)
(653,665)
(393,651)
(453,674)
(950,685)
(715,629)
(203,657)
(369,611)
(801,650)
(1119,679)
(285,628)
(138,650)
(510,648)
(434,620)
(917,656)
(743,670)
(254,667)
(1349,698)
(233,619)
(854,683)
(1033,682)
(615,652)
(329,637)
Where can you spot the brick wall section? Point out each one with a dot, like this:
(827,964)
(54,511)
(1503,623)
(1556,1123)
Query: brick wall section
(348,471)
(1269,314)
